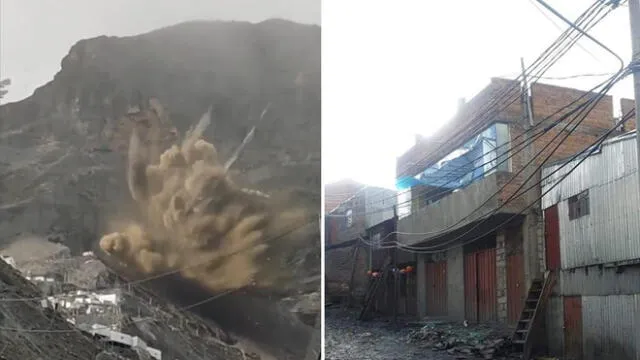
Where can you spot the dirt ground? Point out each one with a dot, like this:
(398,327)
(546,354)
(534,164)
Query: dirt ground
(346,338)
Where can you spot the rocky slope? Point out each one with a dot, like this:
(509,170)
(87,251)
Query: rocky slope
(62,150)
(30,332)
(58,167)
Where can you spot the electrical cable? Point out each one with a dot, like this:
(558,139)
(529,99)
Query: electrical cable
(591,149)
(614,80)
(490,107)
(582,32)
(516,193)
(541,58)
(513,153)
(516,149)
(167,273)
(555,59)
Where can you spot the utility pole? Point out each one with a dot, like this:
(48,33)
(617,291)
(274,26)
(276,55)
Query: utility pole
(634,18)
(530,235)
(527,102)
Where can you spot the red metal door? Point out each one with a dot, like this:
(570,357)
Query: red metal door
(470,287)
(552,237)
(480,286)
(573,327)
(487,285)
(436,275)
(515,286)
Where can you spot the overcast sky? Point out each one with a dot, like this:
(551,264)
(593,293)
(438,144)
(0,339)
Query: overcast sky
(390,69)
(37,34)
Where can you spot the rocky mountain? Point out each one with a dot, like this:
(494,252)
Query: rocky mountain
(63,150)
(60,176)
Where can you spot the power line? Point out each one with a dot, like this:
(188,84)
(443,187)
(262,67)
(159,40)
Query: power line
(167,273)
(517,147)
(597,7)
(516,194)
(429,249)
(538,124)
(581,107)
(590,23)
(533,3)
(600,95)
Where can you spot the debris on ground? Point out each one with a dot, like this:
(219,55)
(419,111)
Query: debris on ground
(347,338)
(463,342)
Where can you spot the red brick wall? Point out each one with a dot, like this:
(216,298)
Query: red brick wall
(628,105)
(547,99)
(471,118)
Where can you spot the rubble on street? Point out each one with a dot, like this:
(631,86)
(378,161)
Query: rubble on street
(347,338)
(464,342)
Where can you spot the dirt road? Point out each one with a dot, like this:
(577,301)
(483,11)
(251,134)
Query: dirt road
(349,339)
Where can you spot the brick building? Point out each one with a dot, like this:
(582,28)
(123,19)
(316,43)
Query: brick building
(627,106)
(481,264)
(347,259)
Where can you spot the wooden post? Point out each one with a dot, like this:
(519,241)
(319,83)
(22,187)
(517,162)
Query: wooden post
(353,272)
(394,255)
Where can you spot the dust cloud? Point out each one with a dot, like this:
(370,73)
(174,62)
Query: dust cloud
(196,221)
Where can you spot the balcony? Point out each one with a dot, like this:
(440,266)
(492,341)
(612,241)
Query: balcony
(438,218)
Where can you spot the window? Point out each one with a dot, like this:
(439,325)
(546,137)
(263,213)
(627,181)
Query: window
(349,218)
(579,205)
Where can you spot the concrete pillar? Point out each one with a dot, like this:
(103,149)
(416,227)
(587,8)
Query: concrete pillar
(421,279)
(455,283)
(501,276)
(530,244)
(541,245)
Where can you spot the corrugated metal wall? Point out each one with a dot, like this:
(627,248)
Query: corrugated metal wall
(611,327)
(554,322)
(611,232)
(436,277)
(599,281)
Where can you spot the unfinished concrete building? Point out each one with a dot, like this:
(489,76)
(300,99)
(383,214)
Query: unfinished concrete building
(479,265)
